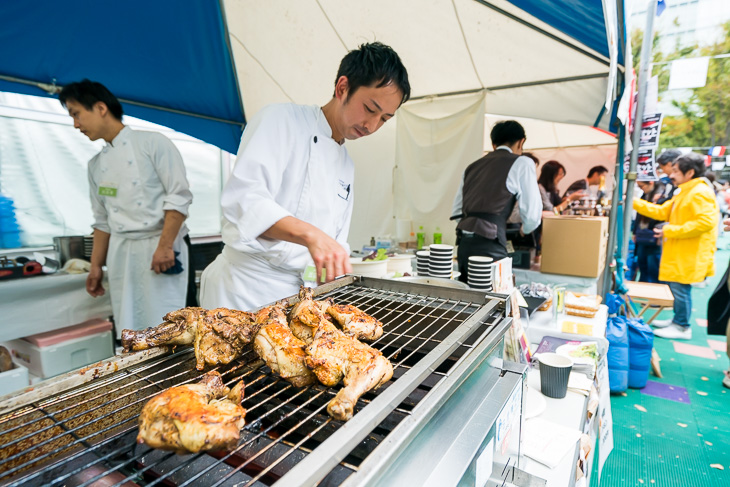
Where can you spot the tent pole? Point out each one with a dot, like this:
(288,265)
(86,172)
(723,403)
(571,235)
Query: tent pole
(612,216)
(638,120)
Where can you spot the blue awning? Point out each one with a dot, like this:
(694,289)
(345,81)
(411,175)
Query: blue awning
(583,20)
(168,61)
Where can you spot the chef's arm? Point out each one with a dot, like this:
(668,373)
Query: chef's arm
(325,251)
(164,256)
(98,259)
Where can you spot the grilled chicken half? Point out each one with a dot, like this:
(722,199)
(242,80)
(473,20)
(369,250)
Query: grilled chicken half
(335,356)
(279,348)
(194,417)
(355,321)
(308,315)
(218,335)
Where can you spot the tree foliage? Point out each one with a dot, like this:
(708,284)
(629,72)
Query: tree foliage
(705,115)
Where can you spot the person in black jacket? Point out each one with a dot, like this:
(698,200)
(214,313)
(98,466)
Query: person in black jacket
(647,250)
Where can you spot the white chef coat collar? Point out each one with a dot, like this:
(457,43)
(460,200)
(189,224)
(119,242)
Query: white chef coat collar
(324,126)
(121,136)
(504,147)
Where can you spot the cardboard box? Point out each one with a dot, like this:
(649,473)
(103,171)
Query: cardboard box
(574,245)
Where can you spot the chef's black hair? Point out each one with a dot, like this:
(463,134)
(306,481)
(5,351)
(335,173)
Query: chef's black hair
(87,93)
(507,132)
(374,64)
(597,169)
(691,161)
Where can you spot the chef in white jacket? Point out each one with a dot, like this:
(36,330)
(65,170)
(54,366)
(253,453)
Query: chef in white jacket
(288,203)
(140,198)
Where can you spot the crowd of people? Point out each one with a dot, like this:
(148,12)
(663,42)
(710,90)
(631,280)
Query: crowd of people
(501,195)
(679,219)
(675,233)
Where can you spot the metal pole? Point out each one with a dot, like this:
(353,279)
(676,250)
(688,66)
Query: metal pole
(612,218)
(638,120)
(620,154)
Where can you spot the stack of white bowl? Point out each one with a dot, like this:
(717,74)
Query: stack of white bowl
(441,260)
(422,259)
(480,273)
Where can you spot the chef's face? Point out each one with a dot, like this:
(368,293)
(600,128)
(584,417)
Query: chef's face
(367,109)
(89,122)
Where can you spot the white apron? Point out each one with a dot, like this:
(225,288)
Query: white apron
(245,281)
(140,298)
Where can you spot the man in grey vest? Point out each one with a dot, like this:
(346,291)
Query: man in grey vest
(489,190)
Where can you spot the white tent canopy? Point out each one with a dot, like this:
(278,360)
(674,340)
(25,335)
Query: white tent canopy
(289,52)
(542,134)
(523,67)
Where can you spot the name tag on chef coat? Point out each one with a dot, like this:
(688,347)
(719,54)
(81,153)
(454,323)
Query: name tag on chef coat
(344,191)
(108,189)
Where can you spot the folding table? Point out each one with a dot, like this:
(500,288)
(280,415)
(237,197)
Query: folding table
(649,295)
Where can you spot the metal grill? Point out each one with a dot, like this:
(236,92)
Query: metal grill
(86,436)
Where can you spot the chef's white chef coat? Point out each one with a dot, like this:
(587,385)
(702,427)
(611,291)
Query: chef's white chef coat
(288,164)
(132,181)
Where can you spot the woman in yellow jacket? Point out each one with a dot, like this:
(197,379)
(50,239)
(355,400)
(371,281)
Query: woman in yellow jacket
(689,239)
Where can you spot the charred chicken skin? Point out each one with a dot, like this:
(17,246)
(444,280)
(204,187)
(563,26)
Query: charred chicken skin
(218,335)
(222,335)
(308,315)
(279,348)
(179,328)
(356,322)
(194,417)
(335,356)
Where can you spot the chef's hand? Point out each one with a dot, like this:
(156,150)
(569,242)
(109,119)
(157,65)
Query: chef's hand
(93,282)
(659,233)
(727,224)
(163,259)
(328,254)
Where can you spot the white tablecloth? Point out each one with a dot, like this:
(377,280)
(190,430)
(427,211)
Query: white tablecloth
(43,303)
(541,324)
(569,411)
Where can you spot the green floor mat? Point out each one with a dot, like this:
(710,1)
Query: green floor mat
(666,443)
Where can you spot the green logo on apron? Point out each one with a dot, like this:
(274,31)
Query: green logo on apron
(107,191)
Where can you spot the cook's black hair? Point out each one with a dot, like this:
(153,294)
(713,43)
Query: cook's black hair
(668,157)
(547,175)
(506,132)
(597,169)
(374,64)
(691,161)
(88,93)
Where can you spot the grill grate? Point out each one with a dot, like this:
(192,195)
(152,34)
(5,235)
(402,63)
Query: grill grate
(86,434)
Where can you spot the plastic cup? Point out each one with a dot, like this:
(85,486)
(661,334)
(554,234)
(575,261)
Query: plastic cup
(554,373)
